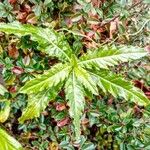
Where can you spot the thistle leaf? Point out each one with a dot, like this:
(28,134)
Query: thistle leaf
(118,86)
(37,103)
(103,57)
(49,41)
(75,95)
(50,78)
(86,79)
(7,142)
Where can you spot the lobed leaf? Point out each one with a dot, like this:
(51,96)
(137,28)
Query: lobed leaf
(118,86)
(75,95)
(50,41)
(37,103)
(104,57)
(50,78)
(86,80)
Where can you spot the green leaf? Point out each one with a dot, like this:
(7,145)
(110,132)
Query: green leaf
(85,78)
(58,46)
(50,41)
(104,57)
(2,90)
(21,30)
(4,113)
(88,146)
(50,78)
(37,10)
(37,103)
(8,143)
(146,1)
(118,86)
(75,95)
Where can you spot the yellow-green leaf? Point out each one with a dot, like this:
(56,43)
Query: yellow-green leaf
(110,56)
(37,103)
(4,113)
(7,142)
(50,41)
(75,95)
(118,86)
(50,78)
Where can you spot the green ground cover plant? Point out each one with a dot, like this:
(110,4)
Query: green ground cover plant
(74,75)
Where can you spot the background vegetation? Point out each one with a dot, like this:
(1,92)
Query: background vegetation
(108,123)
